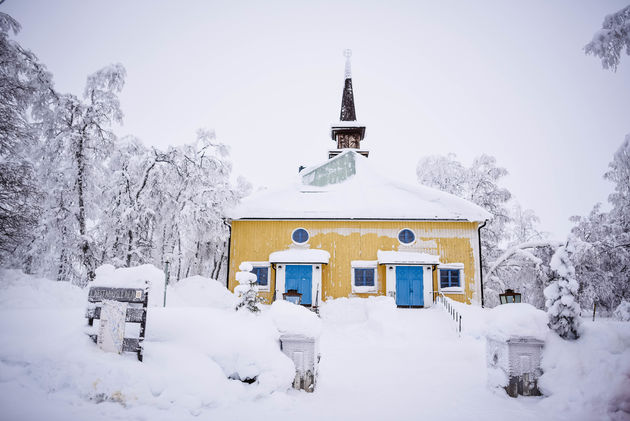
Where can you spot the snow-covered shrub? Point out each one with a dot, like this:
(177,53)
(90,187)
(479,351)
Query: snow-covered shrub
(562,306)
(622,312)
(247,290)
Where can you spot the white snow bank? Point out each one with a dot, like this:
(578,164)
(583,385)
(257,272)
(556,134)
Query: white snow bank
(406,257)
(197,291)
(516,320)
(134,277)
(295,319)
(190,355)
(299,256)
(622,312)
(589,378)
(19,290)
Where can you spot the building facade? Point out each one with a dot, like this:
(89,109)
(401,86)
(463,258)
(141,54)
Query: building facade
(343,229)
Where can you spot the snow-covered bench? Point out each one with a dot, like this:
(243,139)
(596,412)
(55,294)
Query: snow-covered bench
(136,299)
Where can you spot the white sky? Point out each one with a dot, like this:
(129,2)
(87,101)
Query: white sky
(507,79)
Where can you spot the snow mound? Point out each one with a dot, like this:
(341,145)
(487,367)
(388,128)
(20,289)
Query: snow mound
(622,312)
(589,377)
(517,319)
(134,277)
(19,290)
(198,291)
(295,319)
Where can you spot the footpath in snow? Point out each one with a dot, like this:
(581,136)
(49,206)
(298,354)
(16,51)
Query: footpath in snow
(378,362)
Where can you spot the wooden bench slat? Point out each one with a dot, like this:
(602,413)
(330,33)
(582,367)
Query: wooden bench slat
(125,295)
(134,315)
(129,344)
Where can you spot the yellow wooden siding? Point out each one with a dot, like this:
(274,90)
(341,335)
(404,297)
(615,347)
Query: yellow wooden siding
(254,240)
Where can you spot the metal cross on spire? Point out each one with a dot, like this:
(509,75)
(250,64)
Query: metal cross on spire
(347,53)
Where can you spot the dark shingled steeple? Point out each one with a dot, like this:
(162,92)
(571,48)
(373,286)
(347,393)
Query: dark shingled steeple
(347,102)
(347,133)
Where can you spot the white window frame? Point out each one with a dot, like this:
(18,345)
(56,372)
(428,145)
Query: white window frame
(364,264)
(461,289)
(263,288)
(415,237)
(307,233)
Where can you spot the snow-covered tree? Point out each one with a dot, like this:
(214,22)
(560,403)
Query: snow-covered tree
(602,259)
(609,42)
(77,141)
(480,184)
(562,295)
(25,87)
(247,290)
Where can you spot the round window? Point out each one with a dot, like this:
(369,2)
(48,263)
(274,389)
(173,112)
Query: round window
(300,236)
(406,236)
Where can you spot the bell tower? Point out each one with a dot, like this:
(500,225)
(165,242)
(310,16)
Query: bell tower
(347,133)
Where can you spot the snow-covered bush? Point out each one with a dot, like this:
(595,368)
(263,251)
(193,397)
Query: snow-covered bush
(562,306)
(622,312)
(247,290)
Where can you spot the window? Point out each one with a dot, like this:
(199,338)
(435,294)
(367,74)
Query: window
(449,278)
(262,275)
(261,270)
(406,236)
(364,276)
(300,236)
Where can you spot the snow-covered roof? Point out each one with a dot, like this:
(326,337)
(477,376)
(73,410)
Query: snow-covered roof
(349,187)
(300,256)
(407,257)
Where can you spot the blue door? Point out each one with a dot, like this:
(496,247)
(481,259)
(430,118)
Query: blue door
(300,277)
(409,288)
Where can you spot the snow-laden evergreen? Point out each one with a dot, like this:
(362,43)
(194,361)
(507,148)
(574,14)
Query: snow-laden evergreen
(247,290)
(562,304)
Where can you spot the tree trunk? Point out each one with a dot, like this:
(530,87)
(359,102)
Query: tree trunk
(129,247)
(84,244)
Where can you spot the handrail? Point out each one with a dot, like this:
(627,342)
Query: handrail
(448,306)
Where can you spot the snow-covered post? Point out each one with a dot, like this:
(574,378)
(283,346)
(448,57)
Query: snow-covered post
(247,290)
(562,306)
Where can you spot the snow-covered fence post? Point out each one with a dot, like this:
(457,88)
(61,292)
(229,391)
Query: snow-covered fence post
(247,290)
(562,306)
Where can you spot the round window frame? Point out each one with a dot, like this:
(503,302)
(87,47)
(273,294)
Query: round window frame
(409,243)
(308,236)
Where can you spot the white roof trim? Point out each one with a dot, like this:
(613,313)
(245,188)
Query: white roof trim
(300,256)
(407,257)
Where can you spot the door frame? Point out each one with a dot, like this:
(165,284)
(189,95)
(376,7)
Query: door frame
(316,280)
(427,281)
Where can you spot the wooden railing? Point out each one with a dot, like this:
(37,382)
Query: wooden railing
(447,304)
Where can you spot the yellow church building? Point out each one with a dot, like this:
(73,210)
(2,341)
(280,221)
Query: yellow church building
(343,229)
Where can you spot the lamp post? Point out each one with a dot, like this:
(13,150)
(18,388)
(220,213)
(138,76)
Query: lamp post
(509,296)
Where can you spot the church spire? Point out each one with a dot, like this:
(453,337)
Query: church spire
(347,99)
(347,132)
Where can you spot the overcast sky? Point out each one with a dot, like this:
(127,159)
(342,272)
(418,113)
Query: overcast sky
(432,77)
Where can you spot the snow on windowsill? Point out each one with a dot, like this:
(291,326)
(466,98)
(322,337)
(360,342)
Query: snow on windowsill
(452,290)
(364,290)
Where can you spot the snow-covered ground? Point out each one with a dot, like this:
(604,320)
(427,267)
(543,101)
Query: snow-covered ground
(378,362)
